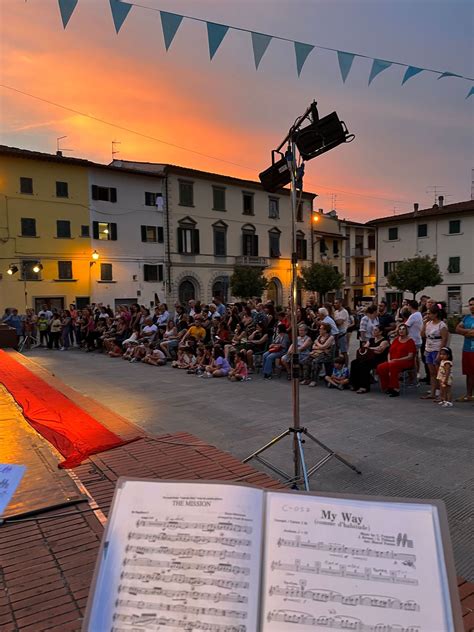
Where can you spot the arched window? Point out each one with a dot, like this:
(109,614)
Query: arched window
(274,242)
(249,241)
(275,291)
(220,288)
(186,291)
(220,239)
(188,237)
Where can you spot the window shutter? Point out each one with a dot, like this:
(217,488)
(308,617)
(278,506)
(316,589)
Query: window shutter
(113,232)
(304,249)
(143,233)
(385,268)
(255,245)
(180,240)
(160,234)
(195,241)
(160,273)
(95,194)
(113,194)
(95,229)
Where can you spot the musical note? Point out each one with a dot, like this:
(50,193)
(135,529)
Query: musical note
(172,607)
(203,526)
(183,579)
(320,594)
(339,622)
(193,566)
(155,622)
(166,550)
(186,537)
(342,570)
(183,594)
(297,542)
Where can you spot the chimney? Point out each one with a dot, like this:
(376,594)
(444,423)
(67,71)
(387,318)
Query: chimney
(416,206)
(59,153)
(321,210)
(441,201)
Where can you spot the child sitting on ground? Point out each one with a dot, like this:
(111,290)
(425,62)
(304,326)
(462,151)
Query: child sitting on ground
(340,375)
(186,359)
(445,377)
(155,356)
(241,371)
(220,366)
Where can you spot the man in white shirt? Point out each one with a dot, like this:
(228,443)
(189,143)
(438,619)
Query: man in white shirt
(415,325)
(341,317)
(45,312)
(149,329)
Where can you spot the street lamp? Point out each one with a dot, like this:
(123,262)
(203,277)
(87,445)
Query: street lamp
(95,255)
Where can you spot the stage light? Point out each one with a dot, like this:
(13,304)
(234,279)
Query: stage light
(276,176)
(321,135)
(12,269)
(37,268)
(95,255)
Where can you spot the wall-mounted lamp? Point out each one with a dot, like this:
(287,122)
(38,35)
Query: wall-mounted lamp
(37,268)
(95,257)
(12,269)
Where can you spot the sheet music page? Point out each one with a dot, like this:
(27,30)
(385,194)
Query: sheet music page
(181,556)
(352,565)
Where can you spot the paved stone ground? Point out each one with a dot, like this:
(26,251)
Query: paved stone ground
(404,446)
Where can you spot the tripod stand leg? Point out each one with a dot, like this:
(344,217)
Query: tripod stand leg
(267,445)
(330,454)
(302,461)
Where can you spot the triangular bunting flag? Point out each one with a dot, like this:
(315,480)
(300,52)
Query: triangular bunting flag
(120,11)
(448,74)
(411,72)
(260,44)
(301,51)
(345,63)
(378,66)
(470,93)
(215,35)
(66,7)
(170,24)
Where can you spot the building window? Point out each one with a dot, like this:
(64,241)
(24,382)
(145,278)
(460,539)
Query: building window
(106,272)
(301,246)
(273,208)
(150,198)
(62,189)
(299,212)
(105,231)
(323,248)
(152,234)
(65,270)
(26,185)
(371,241)
(454,226)
(247,204)
(85,230)
(274,242)
(249,241)
(218,198)
(389,266)
(152,273)
(371,268)
(104,194)
(28,227)
(393,233)
(186,193)
(63,229)
(335,248)
(27,273)
(454,265)
(188,237)
(422,230)
(220,239)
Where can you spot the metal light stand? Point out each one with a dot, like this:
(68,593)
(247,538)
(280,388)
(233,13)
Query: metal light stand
(301,473)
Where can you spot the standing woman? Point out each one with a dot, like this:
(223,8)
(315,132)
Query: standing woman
(402,356)
(436,333)
(66,333)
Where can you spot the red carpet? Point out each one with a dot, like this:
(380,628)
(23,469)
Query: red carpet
(74,433)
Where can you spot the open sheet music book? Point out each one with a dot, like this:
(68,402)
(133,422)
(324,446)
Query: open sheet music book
(197,556)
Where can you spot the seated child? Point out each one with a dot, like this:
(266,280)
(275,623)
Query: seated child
(241,370)
(186,359)
(220,366)
(340,375)
(155,356)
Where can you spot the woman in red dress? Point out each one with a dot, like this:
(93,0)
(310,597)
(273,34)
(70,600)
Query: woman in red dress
(402,357)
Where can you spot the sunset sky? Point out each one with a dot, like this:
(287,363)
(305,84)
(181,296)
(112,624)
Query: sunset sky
(408,138)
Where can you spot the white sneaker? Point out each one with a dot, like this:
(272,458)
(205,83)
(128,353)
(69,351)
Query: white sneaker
(62,349)
(447,404)
(441,403)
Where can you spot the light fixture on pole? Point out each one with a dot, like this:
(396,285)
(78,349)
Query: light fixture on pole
(319,136)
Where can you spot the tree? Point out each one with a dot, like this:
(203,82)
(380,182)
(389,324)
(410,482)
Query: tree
(322,278)
(247,282)
(413,275)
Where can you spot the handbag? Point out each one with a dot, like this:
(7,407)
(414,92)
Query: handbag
(274,348)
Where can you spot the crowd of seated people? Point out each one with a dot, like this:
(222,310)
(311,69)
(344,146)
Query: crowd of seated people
(219,341)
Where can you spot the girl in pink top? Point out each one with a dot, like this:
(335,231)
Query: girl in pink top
(241,370)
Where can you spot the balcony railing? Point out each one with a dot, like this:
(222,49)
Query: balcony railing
(360,252)
(247,260)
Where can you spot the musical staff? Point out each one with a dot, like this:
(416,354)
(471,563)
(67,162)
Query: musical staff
(187,566)
(336,622)
(186,537)
(184,579)
(176,607)
(202,526)
(297,542)
(183,594)
(166,550)
(320,594)
(155,622)
(343,570)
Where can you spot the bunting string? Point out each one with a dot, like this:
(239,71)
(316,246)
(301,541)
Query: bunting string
(216,32)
